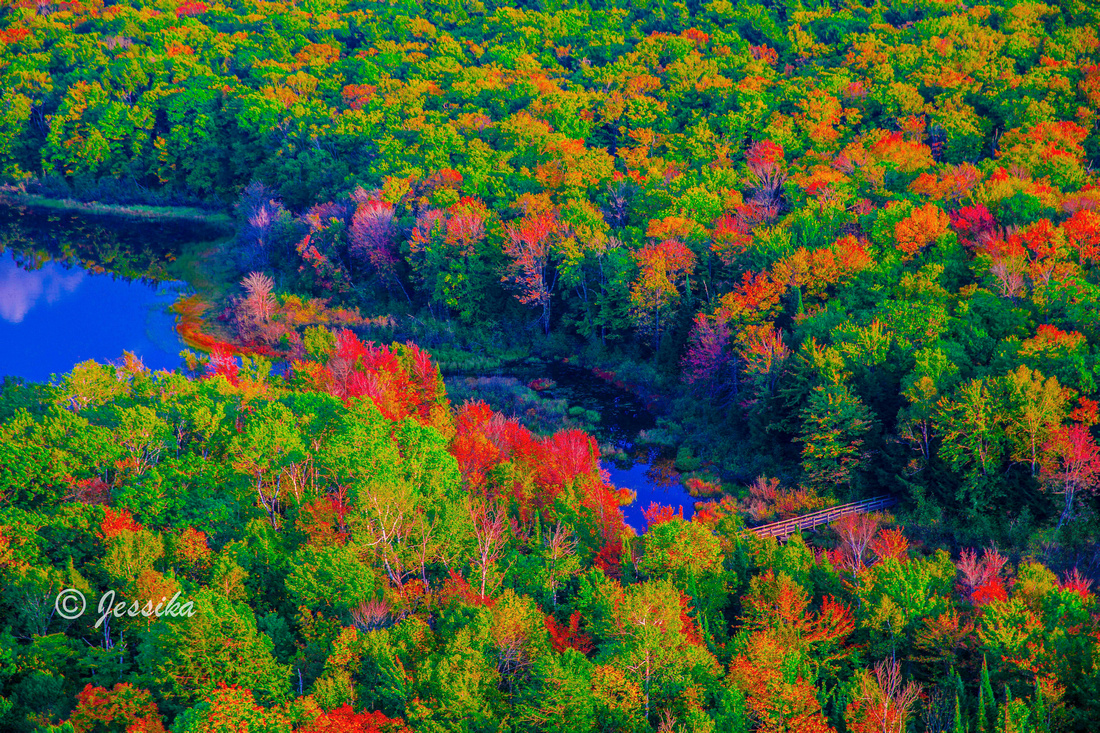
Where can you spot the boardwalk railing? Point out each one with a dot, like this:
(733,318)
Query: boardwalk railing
(789,526)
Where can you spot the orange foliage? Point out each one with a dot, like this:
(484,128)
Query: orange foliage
(924,226)
(779,706)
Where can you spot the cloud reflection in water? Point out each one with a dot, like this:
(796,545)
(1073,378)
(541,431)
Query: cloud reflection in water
(20,289)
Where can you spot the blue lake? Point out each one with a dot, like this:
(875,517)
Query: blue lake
(52,317)
(647,480)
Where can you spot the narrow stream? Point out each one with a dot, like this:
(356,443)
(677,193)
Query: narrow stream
(644,469)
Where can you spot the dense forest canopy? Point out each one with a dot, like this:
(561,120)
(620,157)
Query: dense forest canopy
(861,239)
(854,247)
(362,557)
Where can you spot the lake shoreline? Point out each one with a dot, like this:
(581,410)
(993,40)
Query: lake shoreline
(15,196)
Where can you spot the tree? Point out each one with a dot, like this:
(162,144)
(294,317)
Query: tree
(192,658)
(882,704)
(972,425)
(1073,467)
(708,365)
(230,709)
(660,265)
(834,423)
(123,709)
(924,226)
(1038,407)
(489,521)
(372,238)
(345,720)
(767,170)
(529,245)
(857,532)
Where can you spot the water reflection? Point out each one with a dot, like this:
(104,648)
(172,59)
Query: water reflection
(655,480)
(21,289)
(52,318)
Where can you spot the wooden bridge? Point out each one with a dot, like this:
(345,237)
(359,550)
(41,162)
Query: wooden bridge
(789,526)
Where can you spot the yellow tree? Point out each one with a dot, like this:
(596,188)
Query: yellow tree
(654,293)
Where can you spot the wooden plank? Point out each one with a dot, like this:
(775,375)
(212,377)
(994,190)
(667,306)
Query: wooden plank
(823,516)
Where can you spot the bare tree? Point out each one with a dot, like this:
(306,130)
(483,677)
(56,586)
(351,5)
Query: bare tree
(489,520)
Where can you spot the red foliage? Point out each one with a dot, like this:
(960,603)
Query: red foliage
(401,381)
(693,34)
(1087,412)
(856,532)
(458,587)
(609,557)
(91,491)
(1076,583)
(568,637)
(544,466)
(766,167)
(527,245)
(13,35)
(471,446)
(345,720)
(124,707)
(466,225)
(1073,465)
(688,626)
(115,522)
(731,237)
(357,95)
(1083,233)
(191,546)
(765,54)
(223,364)
(980,575)
(562,458)
(890,543)
(992,590)
(190,9)
(372,235)
(707,361)
(659,514)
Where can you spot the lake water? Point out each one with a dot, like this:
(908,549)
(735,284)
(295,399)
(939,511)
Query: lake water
(77,287)
(52,317)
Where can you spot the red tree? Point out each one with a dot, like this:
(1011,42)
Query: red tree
(115,522)
(708,364)
(568,637)
(980,580)
(346,720)
(528,247)
(124,708)
(1074,465)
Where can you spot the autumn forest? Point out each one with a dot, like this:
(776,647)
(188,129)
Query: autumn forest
(807,252)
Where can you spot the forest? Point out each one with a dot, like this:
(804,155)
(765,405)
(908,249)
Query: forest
(841,250)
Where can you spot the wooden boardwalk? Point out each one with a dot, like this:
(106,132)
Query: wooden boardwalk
(789,526)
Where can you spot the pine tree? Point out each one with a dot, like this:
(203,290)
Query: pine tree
(987,704)
(958,727)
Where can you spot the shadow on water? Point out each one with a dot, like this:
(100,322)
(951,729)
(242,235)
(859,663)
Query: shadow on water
(646,470)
